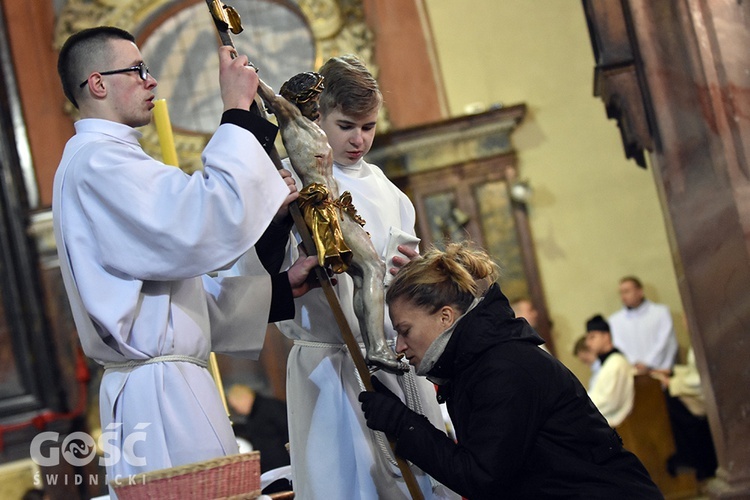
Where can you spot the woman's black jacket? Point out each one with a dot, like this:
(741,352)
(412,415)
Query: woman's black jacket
(525,426)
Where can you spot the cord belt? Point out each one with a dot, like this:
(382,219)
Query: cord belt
(323,345)
(169,358)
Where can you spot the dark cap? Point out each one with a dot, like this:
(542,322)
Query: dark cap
(597,323)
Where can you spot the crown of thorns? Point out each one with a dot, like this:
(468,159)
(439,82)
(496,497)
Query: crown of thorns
(302,87)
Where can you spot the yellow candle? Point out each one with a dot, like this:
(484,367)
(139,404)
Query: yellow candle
(164,130)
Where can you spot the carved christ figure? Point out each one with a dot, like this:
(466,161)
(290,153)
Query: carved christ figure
(311,157)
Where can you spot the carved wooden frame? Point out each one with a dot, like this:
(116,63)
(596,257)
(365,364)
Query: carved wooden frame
(456,156)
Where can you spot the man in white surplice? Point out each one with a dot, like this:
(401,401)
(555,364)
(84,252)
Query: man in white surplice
(136,239)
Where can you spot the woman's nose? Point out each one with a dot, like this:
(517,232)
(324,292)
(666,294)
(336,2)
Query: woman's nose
(400,344)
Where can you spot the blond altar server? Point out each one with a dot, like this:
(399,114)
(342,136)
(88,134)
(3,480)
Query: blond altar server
(333,453)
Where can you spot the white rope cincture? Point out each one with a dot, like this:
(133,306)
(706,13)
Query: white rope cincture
(321,345)
(413,402)
(408,385)
(168,358)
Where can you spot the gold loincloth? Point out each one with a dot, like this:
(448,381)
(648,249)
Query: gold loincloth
(321,213)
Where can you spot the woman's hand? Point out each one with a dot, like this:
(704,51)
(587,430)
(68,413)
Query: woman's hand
(383,410)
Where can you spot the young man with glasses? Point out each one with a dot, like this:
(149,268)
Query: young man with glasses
(137,239)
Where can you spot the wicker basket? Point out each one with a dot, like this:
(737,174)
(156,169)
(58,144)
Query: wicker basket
(233,477)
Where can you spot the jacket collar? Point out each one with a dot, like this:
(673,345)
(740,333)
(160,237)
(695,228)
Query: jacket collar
(437,347)
(489,323)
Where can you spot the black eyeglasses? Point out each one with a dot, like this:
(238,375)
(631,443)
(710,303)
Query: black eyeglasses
(141,68)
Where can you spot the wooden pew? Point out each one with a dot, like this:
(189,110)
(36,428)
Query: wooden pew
(648,433)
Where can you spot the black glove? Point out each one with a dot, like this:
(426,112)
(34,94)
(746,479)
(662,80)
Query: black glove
(383,410)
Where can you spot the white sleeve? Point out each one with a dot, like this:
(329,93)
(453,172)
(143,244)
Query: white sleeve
(662,355)
(159,223)
(238,307)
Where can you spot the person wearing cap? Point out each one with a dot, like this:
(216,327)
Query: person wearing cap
(613,390)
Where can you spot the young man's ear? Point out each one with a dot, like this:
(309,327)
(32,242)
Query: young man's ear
(96,86)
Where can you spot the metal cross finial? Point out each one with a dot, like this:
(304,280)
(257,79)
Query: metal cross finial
(226,17)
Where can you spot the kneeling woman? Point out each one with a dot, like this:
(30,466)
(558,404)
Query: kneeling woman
(525,427)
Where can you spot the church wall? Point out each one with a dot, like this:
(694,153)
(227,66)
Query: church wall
(595,215)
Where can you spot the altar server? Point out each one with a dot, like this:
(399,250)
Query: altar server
(136,240)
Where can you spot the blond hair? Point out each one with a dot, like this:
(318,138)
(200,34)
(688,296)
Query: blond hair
(580,345)
(349,87)
(451,277)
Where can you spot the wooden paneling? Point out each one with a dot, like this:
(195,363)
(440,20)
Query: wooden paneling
(647,432)
(460,163)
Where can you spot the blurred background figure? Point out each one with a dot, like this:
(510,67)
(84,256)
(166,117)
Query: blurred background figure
(614,391)
(261,421)
(587,357)
(694,447)
(524,308)
(642,330)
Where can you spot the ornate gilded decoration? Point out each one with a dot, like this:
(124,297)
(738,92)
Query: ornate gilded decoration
(322,219)
(345,204)
(322,215)
(337,26)
(129,15)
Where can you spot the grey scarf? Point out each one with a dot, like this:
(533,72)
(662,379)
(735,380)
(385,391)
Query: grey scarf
(437,347)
